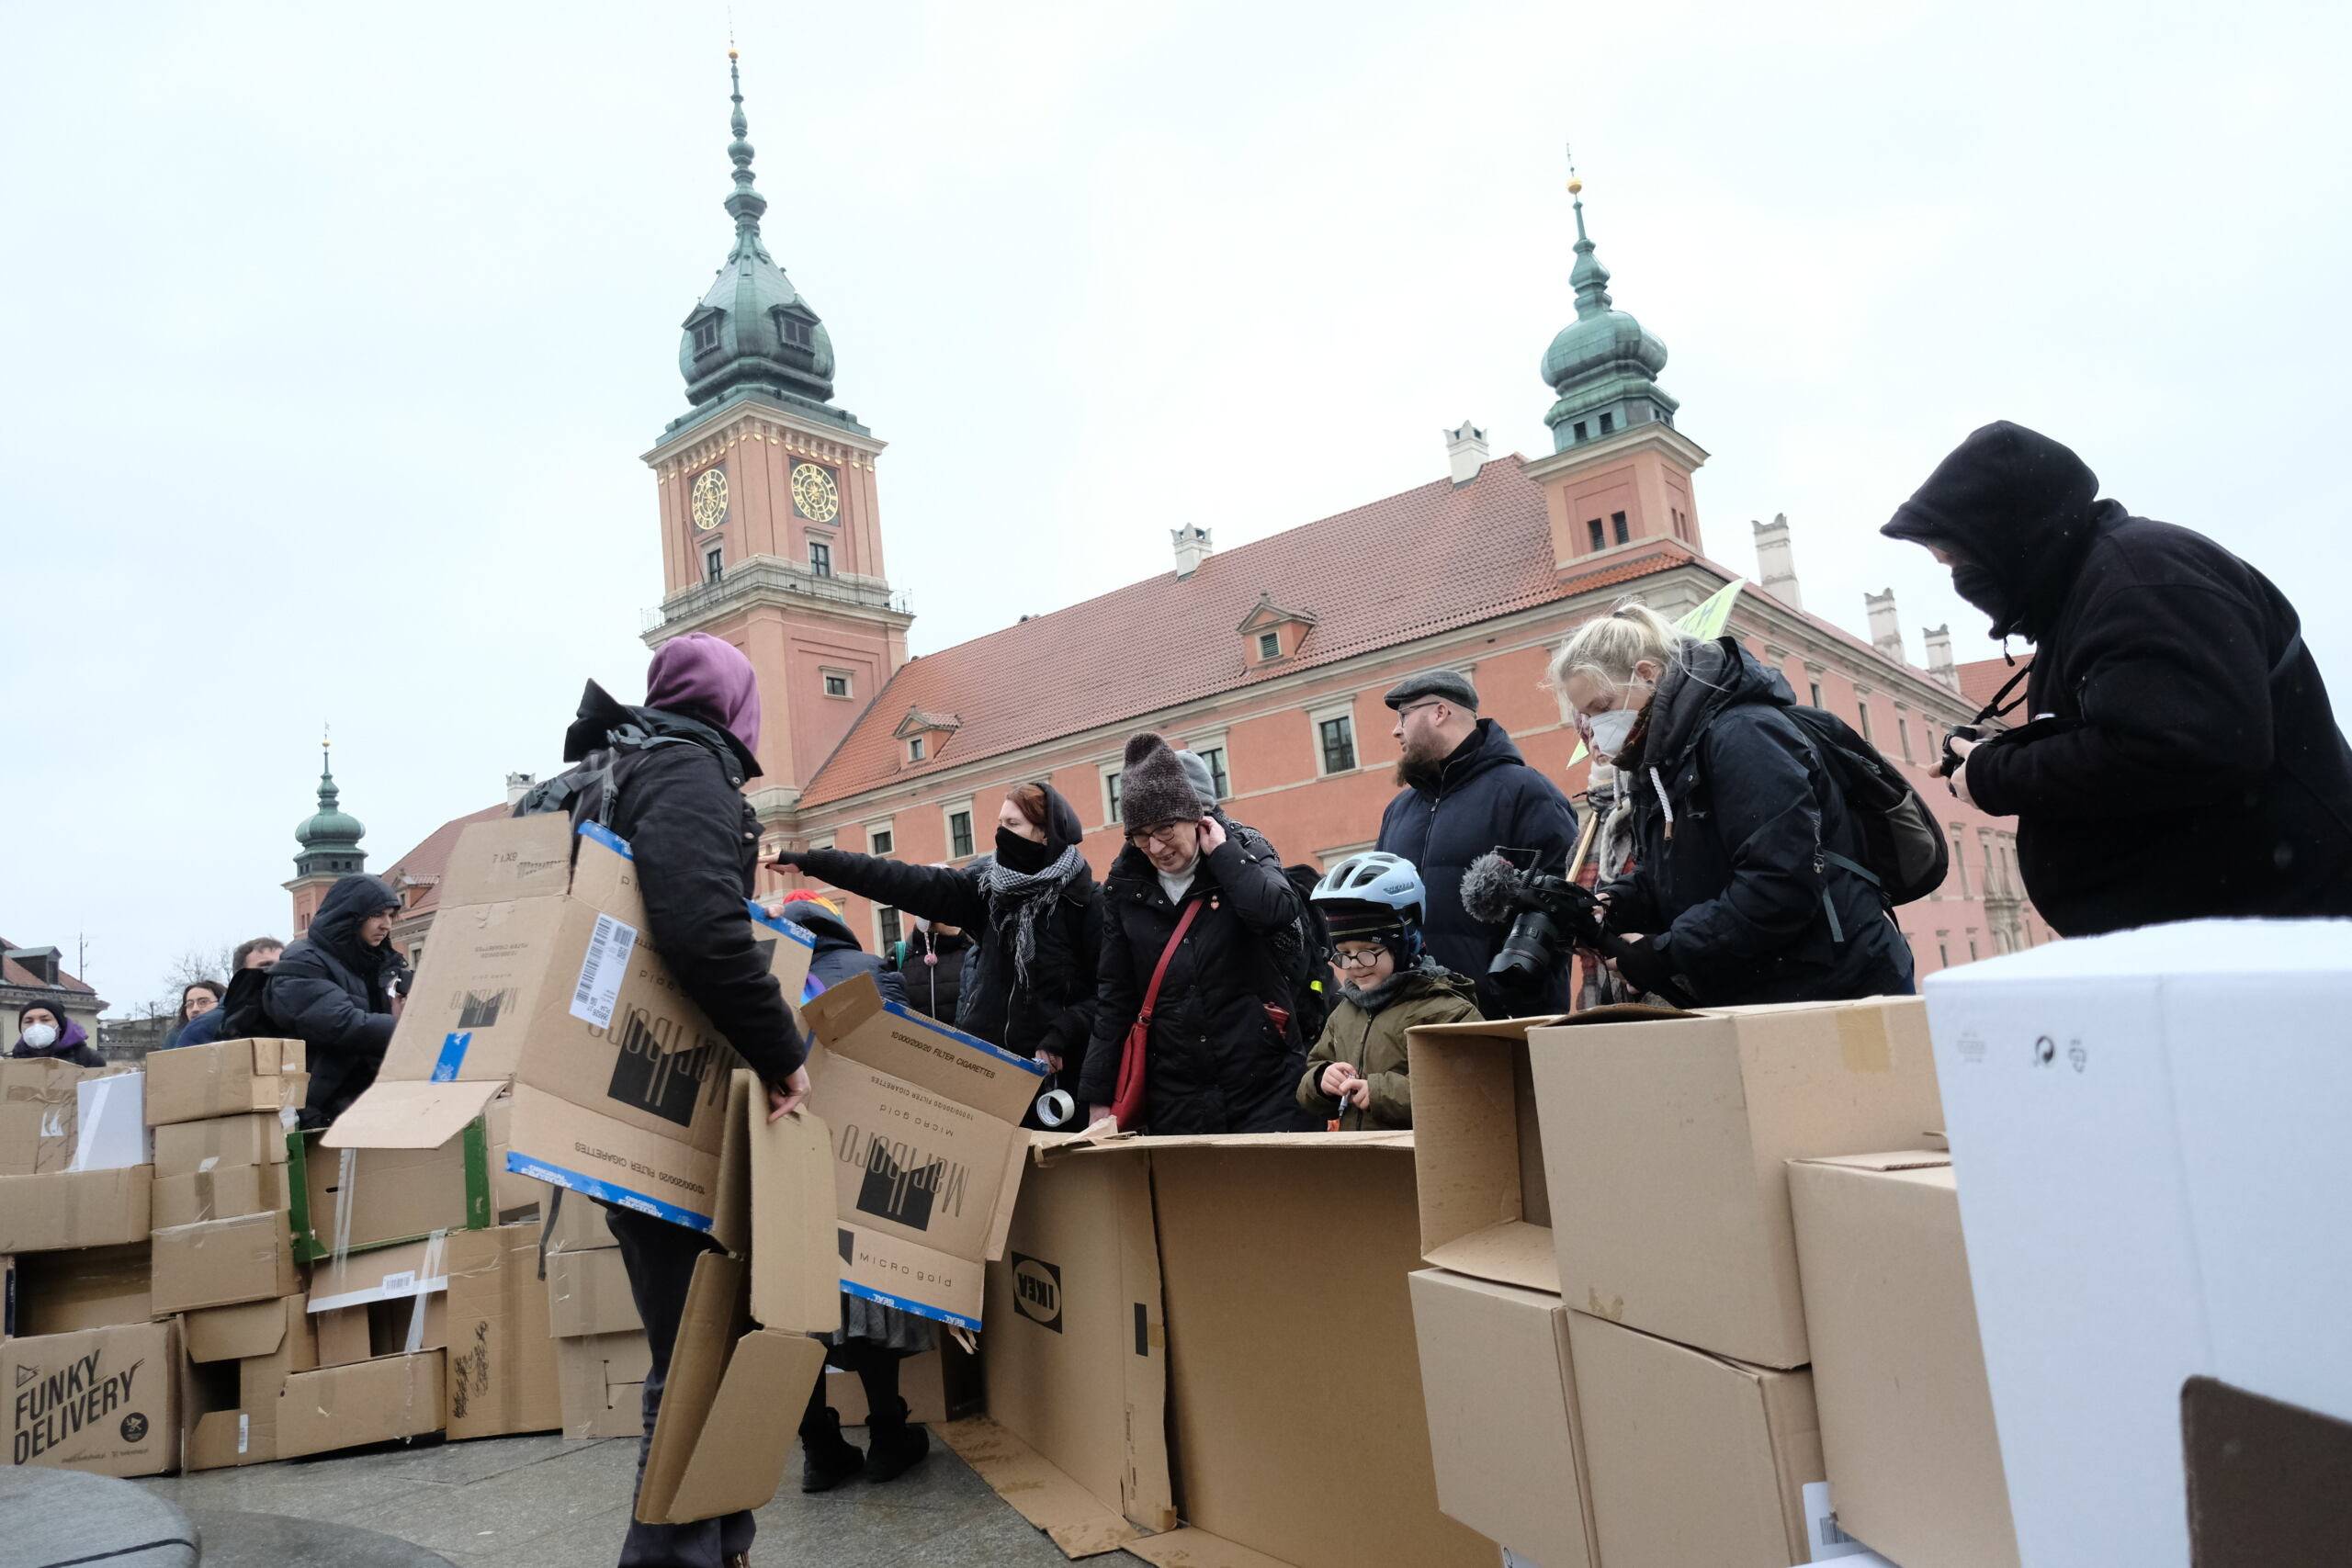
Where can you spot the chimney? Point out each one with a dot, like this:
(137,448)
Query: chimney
(1776,561)
(1193,548)
(1887,626)
(518,785)
(1940,664)
(1466,452)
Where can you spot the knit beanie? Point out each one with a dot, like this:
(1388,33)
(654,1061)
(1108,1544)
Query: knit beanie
(1154,787)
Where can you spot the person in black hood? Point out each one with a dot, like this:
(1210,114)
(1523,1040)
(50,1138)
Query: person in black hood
(42,1031)
(839,956)
(332,991)
(1468,791)
(931,962)
(1736,892)
(1032,907)
(2181,757)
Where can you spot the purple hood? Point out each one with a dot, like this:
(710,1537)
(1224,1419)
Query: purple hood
(70,1036)
(707,678)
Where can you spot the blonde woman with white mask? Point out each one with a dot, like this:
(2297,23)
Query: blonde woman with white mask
(1737,888)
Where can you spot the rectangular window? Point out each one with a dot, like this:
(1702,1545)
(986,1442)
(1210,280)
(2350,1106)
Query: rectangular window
(1971,950)
(1270,645)
(796,332)
(959,834)
(836,685)
(1864,708)
(1215,758)
(914,748)
(1599,539)
(1902,730)
(821,559)
(1959,860)
(706,334)
(1617,526)
(886,923)
(1608,423)
(881,841)
(1815,687)
(1578,429)
(712,564)
(1339,738)
(1110,797)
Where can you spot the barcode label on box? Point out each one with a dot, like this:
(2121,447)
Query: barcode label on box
(399,1284)
(1821,1525)
(600,973)
(244,1431)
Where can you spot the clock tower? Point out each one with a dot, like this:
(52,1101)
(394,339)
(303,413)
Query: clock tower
(770,528)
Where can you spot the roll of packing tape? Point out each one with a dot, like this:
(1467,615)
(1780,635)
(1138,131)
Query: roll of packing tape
(1055,1107)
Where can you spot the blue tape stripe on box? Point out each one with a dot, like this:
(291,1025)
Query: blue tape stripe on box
(1025,1063)
(453,1055)
(792,929)
(619,1197)
(920,1309)
(606,837)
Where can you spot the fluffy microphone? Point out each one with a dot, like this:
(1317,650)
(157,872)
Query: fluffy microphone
(1490,890)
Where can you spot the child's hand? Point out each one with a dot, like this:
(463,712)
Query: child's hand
(1336,1077)
(1358,1093)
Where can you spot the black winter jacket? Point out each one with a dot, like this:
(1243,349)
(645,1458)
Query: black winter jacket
(240,1016)
(1735,890)
(933,968)
(1056,1011)
(2182,759)
(1223,1054)
(839,956)
(1488,798)
(328,991)
(695,841)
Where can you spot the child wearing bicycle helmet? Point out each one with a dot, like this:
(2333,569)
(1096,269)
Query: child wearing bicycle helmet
(1387,985)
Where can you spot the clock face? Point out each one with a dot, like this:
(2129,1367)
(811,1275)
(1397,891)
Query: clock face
(710,498)
(814,493)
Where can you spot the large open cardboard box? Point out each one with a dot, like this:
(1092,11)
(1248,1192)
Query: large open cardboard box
(928,1149)
(362,1198)
(105,1400)
(1478,1153)
(1103,1429)
(540,972)
(1666,1142)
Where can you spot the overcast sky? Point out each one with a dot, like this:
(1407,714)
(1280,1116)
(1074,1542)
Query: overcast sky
(330,337)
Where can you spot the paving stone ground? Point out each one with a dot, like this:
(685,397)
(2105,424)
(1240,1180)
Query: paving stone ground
(545,1503)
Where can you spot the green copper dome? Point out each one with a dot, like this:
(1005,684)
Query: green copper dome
(329,836)
(1603,365)
(753,332)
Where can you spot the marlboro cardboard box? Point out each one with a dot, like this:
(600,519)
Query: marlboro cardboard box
(92,1286)
(542,972)
(222,1262)
(232,1078)
(928,1149)
(359,1198)
(71,1209)
(104,1400)
(222,1193)
(190,1148)
(502,1357)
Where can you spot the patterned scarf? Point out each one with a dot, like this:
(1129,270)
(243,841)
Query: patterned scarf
(1019,898)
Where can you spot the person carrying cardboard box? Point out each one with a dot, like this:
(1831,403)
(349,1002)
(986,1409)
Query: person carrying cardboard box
(668,778)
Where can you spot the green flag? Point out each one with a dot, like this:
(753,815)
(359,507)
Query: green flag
(1706,623)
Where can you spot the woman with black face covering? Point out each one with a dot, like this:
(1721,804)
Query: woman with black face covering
(1030,908)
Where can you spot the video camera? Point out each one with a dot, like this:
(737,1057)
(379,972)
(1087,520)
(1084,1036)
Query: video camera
(1948,763)
(1546,915)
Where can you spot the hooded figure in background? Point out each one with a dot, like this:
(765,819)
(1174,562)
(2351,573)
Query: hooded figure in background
(45,1032)
(332,991)
(2179,756)
(839,956)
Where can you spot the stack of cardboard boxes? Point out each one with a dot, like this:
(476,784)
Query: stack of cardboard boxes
(601,1353)
(1615,1346)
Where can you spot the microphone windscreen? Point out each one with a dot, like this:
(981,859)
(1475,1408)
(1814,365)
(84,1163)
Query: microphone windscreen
(1487,889)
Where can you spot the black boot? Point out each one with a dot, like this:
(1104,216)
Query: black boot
(826,1458)
(895,1446)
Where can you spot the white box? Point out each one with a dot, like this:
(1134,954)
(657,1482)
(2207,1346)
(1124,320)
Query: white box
(2148,1133)
(110,1122)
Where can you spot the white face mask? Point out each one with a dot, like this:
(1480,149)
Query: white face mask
(1612,729)
(42,1036)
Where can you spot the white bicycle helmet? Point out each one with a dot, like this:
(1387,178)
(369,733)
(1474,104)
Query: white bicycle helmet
(1369,894)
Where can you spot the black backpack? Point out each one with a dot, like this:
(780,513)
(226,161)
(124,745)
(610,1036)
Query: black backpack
(589,788)
(1312,1006)
(1905,852)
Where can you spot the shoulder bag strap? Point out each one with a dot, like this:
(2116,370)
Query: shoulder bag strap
(1175,941)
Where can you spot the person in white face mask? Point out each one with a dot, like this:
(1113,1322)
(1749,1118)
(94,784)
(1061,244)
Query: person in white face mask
(44,1031)
(1739,835)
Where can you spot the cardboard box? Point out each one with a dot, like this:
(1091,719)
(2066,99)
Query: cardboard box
(578,1226)
(599,1385)
(222,1262)
(1907,1417)
(109,1123)
(231,1078)
(402,1328)
(922,1384)
(359,1198)
(1501,1394)
(385,1274)
(7,1295)
(1692,1458)
(540,972)
(345,1336)
(1478,1153)
(222,1193)
(239,1358)
(1667,1142)
(501,1356)
(735,1392)
(39,1111)
(70,1208)
(2147,1132)
(587,1292)
(928,1148)
(104,1400)
(1251,1269)
(96,1287)
(349,1407)
(241,1332)
(188,1148)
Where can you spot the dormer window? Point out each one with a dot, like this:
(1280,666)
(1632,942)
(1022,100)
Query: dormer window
(914,748)
(1274,632)
(1270,645)
(926,734)
(798,332)
(706,334)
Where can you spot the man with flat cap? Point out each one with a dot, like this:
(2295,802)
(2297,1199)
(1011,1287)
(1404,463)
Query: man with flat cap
(1468,790)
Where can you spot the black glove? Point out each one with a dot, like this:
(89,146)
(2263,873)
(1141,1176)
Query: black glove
(1643,965)
(789,859)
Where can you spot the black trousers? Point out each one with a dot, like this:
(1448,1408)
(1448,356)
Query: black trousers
(877,1372)
(660,1258)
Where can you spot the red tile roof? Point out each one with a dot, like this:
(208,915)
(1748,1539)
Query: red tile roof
(1428,560)
(425,863)
(1981,679)
(14,974)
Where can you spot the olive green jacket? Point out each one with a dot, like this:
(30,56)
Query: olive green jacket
(1373,1043)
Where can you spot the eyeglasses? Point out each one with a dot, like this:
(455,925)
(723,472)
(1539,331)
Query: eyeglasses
(1416,707)
(1166,834)
(1363,960)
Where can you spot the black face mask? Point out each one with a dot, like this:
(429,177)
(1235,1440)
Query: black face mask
(1024,855)
(1981,586)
